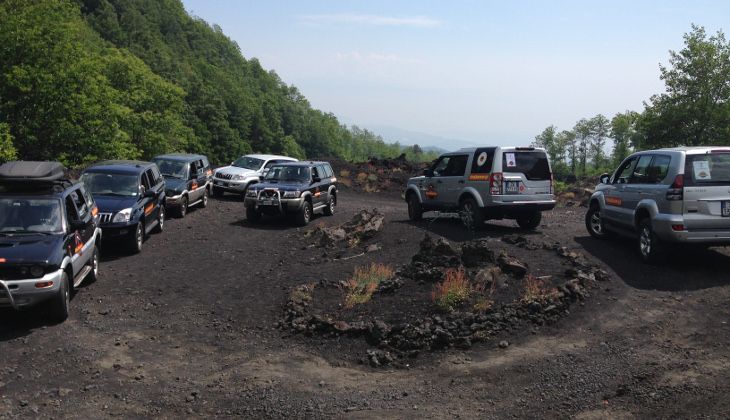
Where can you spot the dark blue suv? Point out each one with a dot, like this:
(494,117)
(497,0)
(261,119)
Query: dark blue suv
(187,180)
(130,196)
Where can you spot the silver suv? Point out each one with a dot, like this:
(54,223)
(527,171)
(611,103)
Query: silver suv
(485,183)
(244,172)
(678,195)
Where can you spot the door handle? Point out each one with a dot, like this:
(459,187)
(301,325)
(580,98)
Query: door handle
(438,181)
(461,181)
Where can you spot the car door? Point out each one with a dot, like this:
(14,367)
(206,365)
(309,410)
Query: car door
(324,183)
(81,229)
(317,193)
(613,192)
(634,190)
(149,205)
(453,179)
(433,189)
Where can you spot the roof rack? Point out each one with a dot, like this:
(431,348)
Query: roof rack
(23,175)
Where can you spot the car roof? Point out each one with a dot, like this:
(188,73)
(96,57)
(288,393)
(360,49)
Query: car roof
(183,157)
(303,163)
(120,166)
(269,157)
(503,148)
(690,149)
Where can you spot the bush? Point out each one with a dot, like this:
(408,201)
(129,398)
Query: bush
(452,291)
(364,282)
(535,289)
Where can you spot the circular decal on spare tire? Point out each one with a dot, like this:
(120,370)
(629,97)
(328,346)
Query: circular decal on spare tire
(482,159)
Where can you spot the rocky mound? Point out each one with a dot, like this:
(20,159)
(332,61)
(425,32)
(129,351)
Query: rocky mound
(376,175)
(447,296)
(351,235)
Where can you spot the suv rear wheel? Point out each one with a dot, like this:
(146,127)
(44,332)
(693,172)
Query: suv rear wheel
(415,211)
(650,247)
(594,223)
(160,220)
(530,221)
(94,262)
(204,203)
(471,209)
(331,204)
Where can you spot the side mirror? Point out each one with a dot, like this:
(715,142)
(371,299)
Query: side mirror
(77,225)
(150,193)
(316,179)
(604,178)
(428,172)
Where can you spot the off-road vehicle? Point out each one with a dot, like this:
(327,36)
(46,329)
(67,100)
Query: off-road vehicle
(187,181)
(49,236)
(659,197)
(295,189)
(244,172)
(130,195)
(485,183)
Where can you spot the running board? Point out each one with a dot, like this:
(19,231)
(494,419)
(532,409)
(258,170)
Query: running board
(148,228)
(82,275)
(322,206)
(195,202)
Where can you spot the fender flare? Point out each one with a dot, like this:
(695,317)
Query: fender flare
(471,191)
(413,189)
(645,206)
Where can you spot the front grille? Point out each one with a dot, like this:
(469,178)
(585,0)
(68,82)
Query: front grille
(269,193)
(105,217)
(21,272)
(223,176)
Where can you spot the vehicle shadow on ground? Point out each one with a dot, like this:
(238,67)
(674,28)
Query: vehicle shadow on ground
(682,270)
(453,229)
(17,324)
(231,198)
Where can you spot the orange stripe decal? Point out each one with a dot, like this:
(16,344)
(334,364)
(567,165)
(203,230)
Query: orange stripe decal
(79,247)
(478,177)
(148,209)
(2,260)
(94,211)
(614,201)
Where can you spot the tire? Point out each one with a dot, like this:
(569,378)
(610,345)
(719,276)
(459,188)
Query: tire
(94,273)
(594,223)
(305,214)
(204,203)
(136,239)
(160,220)
(252,215)
(651,247)
(530,221)
(415,210)
(58,306)
(470,209)
(331,204)
(182,209)
(217,192)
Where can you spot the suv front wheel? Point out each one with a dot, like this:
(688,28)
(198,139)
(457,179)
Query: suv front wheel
(530,221)
(650,247)
(415,211)
(594,223)
(304,215)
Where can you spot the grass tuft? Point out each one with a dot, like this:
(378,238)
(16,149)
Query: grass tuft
(452,291)
(535,289)
(364,282)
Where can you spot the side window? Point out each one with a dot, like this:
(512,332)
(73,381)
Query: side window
(440,166)
(206,164)
(145,183)
(156,176)
(658,169)
(328,171)
(193,169)
(270,163)
(456,166)
(87,196)
(151,177)
(641,170)
(71,212)
(80,202)
(200,167)
(624,172)
(315,172)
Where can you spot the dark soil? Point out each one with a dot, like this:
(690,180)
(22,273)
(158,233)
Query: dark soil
(191,328)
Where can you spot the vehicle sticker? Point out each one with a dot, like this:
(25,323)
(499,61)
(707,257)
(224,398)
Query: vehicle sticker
(701,169)
(478,177)
(510,157)
(431,192)
(482,159)
(148,209)
(614,201)
(195,185)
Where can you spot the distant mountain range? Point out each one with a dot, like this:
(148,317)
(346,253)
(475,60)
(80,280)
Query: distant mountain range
(428,142)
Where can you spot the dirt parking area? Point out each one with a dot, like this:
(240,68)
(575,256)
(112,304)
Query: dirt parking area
(191,327)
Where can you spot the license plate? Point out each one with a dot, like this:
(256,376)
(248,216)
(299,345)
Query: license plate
(268,202)
(725,208)
(512,187)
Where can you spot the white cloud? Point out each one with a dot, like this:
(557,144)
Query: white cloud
(372,20)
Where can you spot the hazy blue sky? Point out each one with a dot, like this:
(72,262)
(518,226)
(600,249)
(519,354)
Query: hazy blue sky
(483,71)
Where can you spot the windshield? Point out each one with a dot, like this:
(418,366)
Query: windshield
(248,162)
(708,169)
(111,184)
(172,168)
(20,215)
(288,174)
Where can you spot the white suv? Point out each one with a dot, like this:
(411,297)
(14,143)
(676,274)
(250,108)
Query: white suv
(243,172)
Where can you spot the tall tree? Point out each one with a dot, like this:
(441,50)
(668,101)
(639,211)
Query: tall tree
(695,109)
(625,135)
(600,129)
(568,139)
(582,130)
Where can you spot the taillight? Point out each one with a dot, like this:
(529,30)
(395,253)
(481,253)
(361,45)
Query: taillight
(495,183)
(552,181)
(676,190)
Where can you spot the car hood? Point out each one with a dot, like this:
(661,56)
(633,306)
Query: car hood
(175,184)
(282,186)
(32,248)
(235,170)
(112,204)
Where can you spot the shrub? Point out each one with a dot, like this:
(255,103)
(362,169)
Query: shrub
(536,289)
(364,282)
(452,291)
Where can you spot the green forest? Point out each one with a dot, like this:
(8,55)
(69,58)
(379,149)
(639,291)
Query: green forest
(694,110)
(84,80)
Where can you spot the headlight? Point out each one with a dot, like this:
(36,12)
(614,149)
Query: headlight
(292,194)
(252,193)
(238,177)
(37,271)
(122,216)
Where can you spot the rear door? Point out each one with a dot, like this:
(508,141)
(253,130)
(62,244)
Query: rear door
(149,204)
(78,209)
(526,175)
(638,184)
(707,191)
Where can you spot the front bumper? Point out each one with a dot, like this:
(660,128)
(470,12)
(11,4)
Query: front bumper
(662,227)
(517,203)
(18,294)
(117,230)
(173,200)
(237,186)
(275,205)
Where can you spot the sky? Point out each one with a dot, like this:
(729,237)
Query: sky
(481,72)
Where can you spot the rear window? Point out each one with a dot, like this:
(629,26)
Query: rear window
(709,169)
(533,164)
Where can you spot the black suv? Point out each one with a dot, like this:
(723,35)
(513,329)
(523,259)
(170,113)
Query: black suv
(49,236)
(297,189)
(187,180)
(130,196)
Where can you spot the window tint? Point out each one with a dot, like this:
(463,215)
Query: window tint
(456,166)
(71,209)
(150,177)
(640,173)
(658,169)
(328,171)
(88,197)
(156,176)
(145,182)
(534,165)
(624,172)
(707,169)
(80,202)
(482,161)
(315,172)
